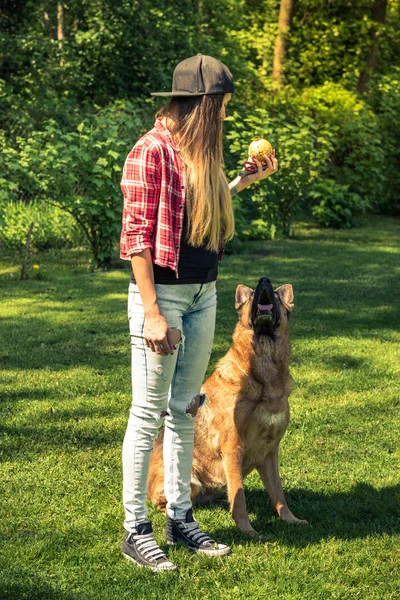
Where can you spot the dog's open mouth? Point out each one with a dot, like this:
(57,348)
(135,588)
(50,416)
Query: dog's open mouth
(264,313)
(265,303)
(264,308)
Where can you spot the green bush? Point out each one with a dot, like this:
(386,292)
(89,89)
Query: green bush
(323,133)
(261,230)
(384,100)
(333,205)
(357,155)
(78,171)
(53,227)
(293,134)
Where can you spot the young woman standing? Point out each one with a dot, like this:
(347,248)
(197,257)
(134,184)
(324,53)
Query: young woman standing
(177,212)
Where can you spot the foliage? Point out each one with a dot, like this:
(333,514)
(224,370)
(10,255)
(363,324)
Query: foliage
(384,100)
(328,41)
(111,53)
(79,171)
(357,155)
(275,201)
(328,44)
(324,132)
(126,50)
(333,205)
(111,50)
(53,228)
(261,230)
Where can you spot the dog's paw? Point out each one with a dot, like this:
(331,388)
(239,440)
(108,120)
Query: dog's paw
(289,517)
(249,531)
(294,521)
(301,522)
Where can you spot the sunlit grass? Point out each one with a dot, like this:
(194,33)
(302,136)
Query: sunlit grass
(65,395)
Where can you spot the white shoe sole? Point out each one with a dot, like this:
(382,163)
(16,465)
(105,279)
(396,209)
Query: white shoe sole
(172,567)
(222,550)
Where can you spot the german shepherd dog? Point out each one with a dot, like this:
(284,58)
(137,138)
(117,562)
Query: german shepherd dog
(246,411)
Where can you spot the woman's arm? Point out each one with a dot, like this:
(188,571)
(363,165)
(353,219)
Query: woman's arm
(238,184)
(156,327)
(141,184)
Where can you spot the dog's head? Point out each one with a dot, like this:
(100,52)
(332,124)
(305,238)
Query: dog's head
(264,309)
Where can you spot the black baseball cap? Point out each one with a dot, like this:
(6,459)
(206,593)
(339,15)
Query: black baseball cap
(200,75)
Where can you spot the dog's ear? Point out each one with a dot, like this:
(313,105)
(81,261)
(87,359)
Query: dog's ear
(286,295)
(243,293)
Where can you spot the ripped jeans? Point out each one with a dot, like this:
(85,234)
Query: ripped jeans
(165,387)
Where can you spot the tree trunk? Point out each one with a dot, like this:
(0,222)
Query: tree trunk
(199,17)
(27,251)
(379,16)
(60,29)
(60,21)
(284,24)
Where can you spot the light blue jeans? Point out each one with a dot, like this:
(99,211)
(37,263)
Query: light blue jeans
(164,387)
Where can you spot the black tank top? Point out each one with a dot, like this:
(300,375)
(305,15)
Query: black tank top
(196,264)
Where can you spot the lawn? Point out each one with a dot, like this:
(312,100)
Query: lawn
(65,396)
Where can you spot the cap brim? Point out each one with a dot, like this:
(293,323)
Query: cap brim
(175,94)
(186,94)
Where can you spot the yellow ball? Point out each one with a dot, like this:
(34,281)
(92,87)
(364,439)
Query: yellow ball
(259,147)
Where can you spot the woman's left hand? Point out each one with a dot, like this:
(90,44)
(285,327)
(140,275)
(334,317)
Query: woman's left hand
(271,167)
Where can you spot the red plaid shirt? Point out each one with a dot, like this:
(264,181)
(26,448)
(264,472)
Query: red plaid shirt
(153,184)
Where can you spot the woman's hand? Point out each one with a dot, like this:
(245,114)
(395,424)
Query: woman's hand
(156,333)
(262,173)
(241,182)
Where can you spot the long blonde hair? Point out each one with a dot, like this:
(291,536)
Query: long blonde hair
(197,125)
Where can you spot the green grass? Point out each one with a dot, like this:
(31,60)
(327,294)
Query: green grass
(65,395)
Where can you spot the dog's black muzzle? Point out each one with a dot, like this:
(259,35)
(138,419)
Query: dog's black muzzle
(265,314)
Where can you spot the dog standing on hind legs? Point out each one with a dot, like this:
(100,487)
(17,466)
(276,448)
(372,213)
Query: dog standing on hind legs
(246,411)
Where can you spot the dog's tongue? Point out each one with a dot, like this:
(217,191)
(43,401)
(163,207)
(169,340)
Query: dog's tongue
(264,306)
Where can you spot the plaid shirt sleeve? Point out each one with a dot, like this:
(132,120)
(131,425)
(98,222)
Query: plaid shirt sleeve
(141,186)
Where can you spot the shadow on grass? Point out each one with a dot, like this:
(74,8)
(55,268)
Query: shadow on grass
(344,283)
(347,362)
(63,430)
(32,590)
(362,512)
(77,426)
(27,394)
(37,344)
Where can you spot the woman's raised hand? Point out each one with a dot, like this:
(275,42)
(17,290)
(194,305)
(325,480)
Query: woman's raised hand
(270,166)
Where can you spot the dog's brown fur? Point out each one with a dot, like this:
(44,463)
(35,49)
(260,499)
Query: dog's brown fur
(244,418)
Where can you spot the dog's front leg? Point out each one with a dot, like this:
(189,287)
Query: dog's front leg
(232,463)
(269,473)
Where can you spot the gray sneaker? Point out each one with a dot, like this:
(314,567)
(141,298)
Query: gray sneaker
(188,533)
(142,549)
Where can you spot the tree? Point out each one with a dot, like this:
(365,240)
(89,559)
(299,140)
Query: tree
(379,17)
(284,24)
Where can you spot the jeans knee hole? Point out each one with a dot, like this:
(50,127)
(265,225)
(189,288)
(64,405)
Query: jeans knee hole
(162,414)
(195,404)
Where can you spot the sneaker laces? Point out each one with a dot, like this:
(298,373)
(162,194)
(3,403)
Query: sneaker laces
(194,532)
(148,547)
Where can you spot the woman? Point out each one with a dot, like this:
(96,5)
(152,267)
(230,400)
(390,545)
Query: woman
(177,202)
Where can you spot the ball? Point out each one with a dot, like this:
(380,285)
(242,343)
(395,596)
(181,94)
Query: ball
(259,147)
